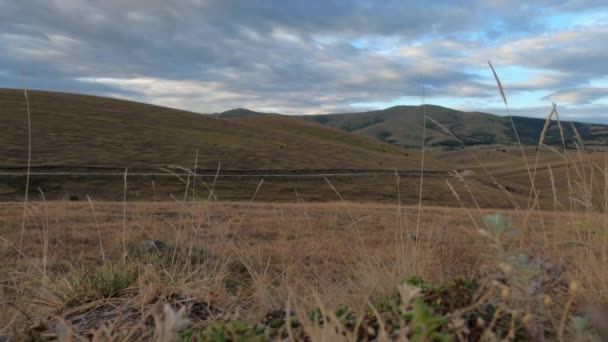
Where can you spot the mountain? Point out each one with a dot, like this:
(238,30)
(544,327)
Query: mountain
(79,131)
(238,112)
(402,125)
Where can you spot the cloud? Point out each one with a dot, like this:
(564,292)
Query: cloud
(579,95)
(303,56)
(577,51)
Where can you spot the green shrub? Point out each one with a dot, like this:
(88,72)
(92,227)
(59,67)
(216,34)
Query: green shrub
(85,285)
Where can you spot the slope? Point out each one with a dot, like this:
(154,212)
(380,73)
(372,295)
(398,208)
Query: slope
(79,131)
(79,134)
(402,125)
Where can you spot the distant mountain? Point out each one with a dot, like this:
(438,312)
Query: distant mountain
(402,125)
(238,112)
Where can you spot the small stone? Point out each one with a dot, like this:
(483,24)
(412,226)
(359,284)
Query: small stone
(154,246)
(412,236)
(467,173)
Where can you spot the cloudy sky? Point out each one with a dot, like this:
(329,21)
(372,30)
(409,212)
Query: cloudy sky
(314,56)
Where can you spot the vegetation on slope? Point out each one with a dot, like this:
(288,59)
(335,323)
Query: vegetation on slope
(72,130)
(402,125)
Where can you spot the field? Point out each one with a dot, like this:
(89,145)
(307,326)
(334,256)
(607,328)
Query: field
(303,232)
(84,269)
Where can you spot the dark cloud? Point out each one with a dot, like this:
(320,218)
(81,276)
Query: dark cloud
(296,56)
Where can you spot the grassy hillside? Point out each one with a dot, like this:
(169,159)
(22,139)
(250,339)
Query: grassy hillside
(80,133)
(71,130)
(402,125)
(311,130)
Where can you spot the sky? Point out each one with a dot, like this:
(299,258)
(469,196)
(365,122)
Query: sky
(315,56)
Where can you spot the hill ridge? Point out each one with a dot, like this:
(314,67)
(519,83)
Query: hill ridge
(402,126)
(75,130)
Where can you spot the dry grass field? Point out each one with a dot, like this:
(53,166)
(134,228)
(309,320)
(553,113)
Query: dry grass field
(83,269)
(483,245)
(303,171)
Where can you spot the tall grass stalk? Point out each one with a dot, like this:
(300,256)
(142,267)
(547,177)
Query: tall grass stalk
(29,166)
(45,234)
(521,148)
(124,217)
(94,214)
(420,186)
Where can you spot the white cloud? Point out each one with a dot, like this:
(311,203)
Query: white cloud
(306,56)
(579,95)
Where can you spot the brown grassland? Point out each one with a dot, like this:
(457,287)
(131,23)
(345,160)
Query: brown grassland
(517,252)
(81,269)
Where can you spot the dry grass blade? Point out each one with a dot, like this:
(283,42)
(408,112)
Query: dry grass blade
(168,326)
(481,164)
(500,88)
(521,148)
(124,217)
(29,165)
(421,185)
(101,250)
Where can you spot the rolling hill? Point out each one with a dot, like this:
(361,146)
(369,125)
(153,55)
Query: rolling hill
(490,155)
(79,131)
(82,134)
(81,145)
(402,125)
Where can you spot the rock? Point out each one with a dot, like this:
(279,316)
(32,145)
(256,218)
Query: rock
(412,236)
(154,246)
(467,173)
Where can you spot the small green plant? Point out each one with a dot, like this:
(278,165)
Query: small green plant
(85,285)
(497,224)
(274,324)
(347,317)
(225,332)
(424,324)
(583,329)
(447,296)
